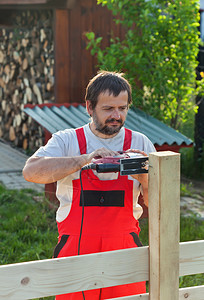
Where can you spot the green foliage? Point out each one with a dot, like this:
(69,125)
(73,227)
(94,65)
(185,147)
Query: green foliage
(29,232)
(158,54)
(191,229)
(191,167)
(185,191)
(28,229)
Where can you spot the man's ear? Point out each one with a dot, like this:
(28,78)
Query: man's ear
(89,107)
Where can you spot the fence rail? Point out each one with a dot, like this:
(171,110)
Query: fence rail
(192,293)
(64,275)
(162,262)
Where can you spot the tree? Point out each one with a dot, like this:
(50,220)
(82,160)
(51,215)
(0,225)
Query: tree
(158,54)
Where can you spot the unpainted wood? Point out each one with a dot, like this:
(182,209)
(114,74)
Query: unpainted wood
(62,55)
(191,293)
(134,297)
(164,215)
(191,258)
(64,275)
(47,277)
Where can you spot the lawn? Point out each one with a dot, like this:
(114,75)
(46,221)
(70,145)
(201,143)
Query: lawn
(29,231)
(28,228)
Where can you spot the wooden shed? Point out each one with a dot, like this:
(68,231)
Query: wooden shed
(74,65)
(70,64)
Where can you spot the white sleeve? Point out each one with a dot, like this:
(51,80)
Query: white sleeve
(148,146)
(141,142)
(55,147)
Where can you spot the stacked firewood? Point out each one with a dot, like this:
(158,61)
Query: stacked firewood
(26,75)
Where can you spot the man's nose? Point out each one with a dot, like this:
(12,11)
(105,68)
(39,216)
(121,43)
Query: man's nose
(116,114)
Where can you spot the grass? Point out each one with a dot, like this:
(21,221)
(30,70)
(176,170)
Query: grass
(185,189)
(29,231)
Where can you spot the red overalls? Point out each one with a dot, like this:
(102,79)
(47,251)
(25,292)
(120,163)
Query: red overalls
(108,223)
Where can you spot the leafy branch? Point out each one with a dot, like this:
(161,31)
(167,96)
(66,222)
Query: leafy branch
(158,54)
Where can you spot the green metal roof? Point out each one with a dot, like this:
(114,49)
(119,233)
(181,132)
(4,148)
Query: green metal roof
(59,117)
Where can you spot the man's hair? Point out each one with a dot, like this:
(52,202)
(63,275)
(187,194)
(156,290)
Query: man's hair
(104,81)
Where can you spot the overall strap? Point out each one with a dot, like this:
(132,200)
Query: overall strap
(81,140)
(127,139)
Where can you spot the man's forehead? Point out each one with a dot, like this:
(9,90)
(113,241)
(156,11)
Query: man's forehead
(112,93)
(106,99)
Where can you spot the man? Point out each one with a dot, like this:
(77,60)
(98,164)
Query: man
(99,218)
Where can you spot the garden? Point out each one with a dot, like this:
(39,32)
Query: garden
(29,230)
(164,60)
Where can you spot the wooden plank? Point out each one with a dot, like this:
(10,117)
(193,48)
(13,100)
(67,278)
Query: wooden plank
(134,297)
(22,2)
(164,215)
(48,277)
(191,258)
(76,62)
(190,293)
(69,4)
(62,56)
(77,273)
(87,17)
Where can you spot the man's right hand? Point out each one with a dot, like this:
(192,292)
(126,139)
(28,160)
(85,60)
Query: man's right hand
(102,152)
(50,169)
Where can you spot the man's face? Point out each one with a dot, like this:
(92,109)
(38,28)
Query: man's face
(109,114)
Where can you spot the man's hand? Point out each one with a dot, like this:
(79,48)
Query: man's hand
(100,153)
(50,169)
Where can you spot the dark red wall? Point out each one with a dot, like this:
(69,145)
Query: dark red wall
(74,65)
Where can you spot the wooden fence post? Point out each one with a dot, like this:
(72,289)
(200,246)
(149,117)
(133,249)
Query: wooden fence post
(164,225)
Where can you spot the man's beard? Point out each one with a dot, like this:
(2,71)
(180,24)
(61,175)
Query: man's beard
(105,129)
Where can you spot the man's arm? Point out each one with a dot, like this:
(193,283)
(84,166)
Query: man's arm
(143,179)
(50,169)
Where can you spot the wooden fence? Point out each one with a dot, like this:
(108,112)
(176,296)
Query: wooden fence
(162,262)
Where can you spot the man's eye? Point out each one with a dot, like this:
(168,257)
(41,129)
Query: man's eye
(111,108)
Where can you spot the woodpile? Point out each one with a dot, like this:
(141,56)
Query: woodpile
(26,75)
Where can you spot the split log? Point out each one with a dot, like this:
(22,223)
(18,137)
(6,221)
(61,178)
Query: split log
(37,93)
(25,144)
(1,57)
(24,129)
(12,135)
(25,64)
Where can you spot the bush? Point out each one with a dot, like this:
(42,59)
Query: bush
(191,166)
(158,55)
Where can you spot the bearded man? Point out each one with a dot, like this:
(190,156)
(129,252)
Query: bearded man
(110,208)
